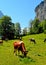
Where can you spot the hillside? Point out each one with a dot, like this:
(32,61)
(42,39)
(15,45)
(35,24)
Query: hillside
(36,52)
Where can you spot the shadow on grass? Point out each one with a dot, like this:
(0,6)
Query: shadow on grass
(21,56)
(26,59)
(39,55)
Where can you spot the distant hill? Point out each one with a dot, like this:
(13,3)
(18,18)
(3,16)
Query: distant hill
(1,14)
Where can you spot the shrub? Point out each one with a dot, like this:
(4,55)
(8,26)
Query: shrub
(45,31)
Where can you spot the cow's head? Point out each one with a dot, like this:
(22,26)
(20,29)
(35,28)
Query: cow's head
(25,53)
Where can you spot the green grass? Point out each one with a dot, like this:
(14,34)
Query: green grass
(36,52)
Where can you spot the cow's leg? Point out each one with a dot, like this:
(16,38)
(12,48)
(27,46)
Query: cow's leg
(18,52)
(15,51)
(34,42)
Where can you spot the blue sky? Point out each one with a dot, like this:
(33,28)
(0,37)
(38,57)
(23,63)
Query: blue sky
(21,11)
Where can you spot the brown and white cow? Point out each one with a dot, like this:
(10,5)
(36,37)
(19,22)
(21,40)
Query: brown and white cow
(19,46)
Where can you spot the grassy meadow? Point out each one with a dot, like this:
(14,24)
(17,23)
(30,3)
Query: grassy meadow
(36,52)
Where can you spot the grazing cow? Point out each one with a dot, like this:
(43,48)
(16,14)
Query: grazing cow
(20,47)
(44,39)
(1,41)
(33,40)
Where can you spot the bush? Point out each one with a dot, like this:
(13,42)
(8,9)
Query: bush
(45,31)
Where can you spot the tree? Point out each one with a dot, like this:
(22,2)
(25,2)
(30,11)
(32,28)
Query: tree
(44,26)
(41,27)
(1,30)
(35,26)
(25,31)
(30,26)
(8,27)
(17,29)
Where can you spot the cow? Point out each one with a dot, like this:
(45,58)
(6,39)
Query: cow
(44,39)
(33,40)
(20,47)
(1,41)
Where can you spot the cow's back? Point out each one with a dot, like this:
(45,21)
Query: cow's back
(17,45)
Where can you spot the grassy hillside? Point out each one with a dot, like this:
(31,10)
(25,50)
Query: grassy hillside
(36,52)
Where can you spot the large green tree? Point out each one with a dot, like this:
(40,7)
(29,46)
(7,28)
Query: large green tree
(7,27)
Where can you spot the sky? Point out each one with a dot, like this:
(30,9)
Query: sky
(21,11)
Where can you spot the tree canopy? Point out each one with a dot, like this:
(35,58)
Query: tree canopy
(7,26)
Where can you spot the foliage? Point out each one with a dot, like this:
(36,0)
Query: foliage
(7,27)
(35,26)
(44,25)
(25,31)
(41,27)
(17,29)
(30,27)
(1,30)
(45,31)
